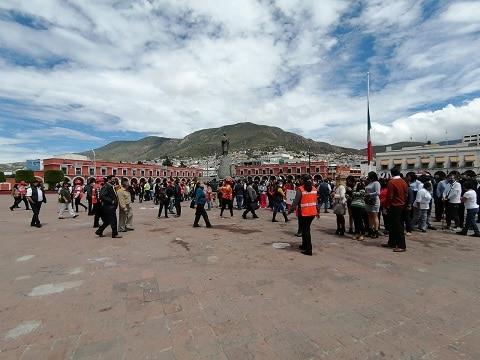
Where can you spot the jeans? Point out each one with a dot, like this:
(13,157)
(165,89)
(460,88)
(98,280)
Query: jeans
(422,220)
(470,221)
(239,199)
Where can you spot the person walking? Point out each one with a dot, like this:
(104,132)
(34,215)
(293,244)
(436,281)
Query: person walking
(125,211)
(358,210)
(306,202)
(65,201)
(35,195)
(278,199)
(372,203)
(252,201)
(227,198)
(470,201)
(324,190)
(78,195)
(440,183)
(200,201)
(16,197)
(396,204)
(22,190)
(109,201)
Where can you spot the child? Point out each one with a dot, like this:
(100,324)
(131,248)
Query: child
(423,204)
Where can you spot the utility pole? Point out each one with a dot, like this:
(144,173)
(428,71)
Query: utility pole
(309,156)
(94,164)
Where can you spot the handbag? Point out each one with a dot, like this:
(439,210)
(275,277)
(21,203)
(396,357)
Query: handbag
(339,209)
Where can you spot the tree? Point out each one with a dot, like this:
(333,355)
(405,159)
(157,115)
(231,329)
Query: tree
(167,162)
(2,176)
(52,177)
(24,175)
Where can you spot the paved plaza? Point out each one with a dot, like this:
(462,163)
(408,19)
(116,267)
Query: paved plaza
(168,291)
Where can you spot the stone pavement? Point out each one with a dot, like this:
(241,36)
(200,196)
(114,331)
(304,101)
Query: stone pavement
(168,291)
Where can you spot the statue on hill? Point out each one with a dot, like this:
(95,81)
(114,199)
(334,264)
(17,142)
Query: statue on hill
(225,144)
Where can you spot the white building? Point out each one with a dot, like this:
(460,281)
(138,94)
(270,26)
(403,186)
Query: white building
(431,158)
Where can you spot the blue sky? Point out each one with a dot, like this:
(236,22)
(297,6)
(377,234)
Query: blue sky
(77,75)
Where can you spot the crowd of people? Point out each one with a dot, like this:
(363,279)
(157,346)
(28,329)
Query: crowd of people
(402,203)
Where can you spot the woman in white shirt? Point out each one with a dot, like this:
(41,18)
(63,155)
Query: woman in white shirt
(423,203)
(470,201)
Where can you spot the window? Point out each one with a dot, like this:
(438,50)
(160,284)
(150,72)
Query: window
(439,165)
(158,173)
(142,172)
(454,164)
(410,166)
(151,173)
(114,172)
(104,171)
(263,171)
(271,171)
(91,171)
(249,172)
(65,170)
(468,163)
(289,171)
(299,170)
(78,171)
(384,167)
(164,173)
(241,172)
(317,170)
(256,172)
(134,172)
(425,166)
(125,172)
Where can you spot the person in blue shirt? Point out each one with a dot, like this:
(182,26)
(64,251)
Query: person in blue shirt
(200,201)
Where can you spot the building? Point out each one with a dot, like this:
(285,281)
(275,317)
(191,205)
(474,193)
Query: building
(471,139)
(298,168)
(431,158)
(83,169)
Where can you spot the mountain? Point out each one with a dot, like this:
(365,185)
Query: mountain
(207,142)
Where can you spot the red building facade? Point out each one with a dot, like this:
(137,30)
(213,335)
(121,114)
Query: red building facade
(84,169)
(316,168)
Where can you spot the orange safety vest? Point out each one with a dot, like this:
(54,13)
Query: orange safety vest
(308,202)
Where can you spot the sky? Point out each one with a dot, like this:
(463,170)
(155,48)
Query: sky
(75,75)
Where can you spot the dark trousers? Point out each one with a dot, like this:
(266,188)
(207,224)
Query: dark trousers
(299,230)
(97,212)
(163,205)
(90,205)
(470,222)
(358,215)
(452,214)
(200,212)
(78,202)
(461,214)
(439,207)
(396,235)
(18,200)
(341,222)
(109,217)
(305,223)
(239,199)
(36,211)
(178,207)
(226,203)
(250,208)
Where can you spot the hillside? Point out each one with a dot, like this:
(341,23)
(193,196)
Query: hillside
(207,142)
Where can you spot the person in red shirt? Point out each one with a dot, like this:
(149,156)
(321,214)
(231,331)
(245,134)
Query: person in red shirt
(383,201)
(395,203)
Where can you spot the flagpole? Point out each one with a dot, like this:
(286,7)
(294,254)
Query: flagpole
(368,123)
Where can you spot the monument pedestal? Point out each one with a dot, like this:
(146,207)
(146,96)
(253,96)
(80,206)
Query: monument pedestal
(225,167)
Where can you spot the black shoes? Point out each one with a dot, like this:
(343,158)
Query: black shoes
(305,252)
(255,216)
(196,225)
(298,234)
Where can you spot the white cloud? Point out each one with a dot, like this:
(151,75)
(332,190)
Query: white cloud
(174,67)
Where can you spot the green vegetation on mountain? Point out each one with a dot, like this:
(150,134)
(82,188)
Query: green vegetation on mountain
(242,136)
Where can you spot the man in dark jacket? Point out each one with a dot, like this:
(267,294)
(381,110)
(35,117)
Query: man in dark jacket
(109,201)
(251,201)
(177,193)
(200,201)
(36,197)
